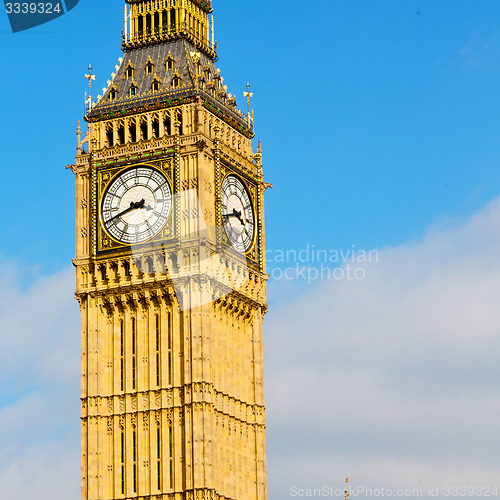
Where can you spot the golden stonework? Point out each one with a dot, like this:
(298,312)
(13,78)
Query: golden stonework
(172,389)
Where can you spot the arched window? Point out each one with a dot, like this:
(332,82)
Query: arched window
(155,126)
(140,27)
(121,134)
(179,119)
(167,126)
(155,83)
(156,23)
(144,131)
(110,142)
(173,20)
(164,21)
(132,132)
(134,355)
(130,71)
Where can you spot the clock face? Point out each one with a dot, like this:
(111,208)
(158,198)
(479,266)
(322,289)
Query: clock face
(237,213)
(136,205)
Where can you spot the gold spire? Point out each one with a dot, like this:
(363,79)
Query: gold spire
(88,99)
(90,77)
(248,95)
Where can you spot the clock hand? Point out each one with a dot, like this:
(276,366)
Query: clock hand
(236,214)
(141,204)
(133,206)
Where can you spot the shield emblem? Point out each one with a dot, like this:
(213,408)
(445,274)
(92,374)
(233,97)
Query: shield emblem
(26,15)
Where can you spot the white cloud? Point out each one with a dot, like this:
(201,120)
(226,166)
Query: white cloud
(392,379)
(39,392)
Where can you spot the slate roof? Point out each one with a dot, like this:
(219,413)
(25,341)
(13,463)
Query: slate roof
(183,54)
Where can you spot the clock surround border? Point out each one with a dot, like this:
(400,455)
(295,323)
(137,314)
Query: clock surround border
(104,178)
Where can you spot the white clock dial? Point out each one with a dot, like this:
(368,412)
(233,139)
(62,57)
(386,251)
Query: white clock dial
(237,213)
(136,205)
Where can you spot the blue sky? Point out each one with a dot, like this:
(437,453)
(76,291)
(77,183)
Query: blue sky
(380,123)
(377,118)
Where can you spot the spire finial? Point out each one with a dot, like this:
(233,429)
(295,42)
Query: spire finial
(89,77)
(78,139)
(248,95)
(346,492)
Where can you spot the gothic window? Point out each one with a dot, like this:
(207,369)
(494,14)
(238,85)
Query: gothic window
(110,139)
(164,20)
(158,351)
(167,126)
(144,131)
(121,134)
(134,356)
(169,347)
(170,452)
(149,68)
(132,132)
(113,95)
(102,269)
(170,64)
(158,455)
(155,84)
(130,71)
(134,458)
(132,90)
(156,23)
(140,26)
(176,81)
(126,268)
(155,126)
(123,461)
(122,357)
(173,20)
(179,118)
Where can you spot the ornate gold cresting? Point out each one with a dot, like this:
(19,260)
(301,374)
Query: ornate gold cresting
(155,21)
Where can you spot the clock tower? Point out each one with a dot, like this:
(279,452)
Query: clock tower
(170,271)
